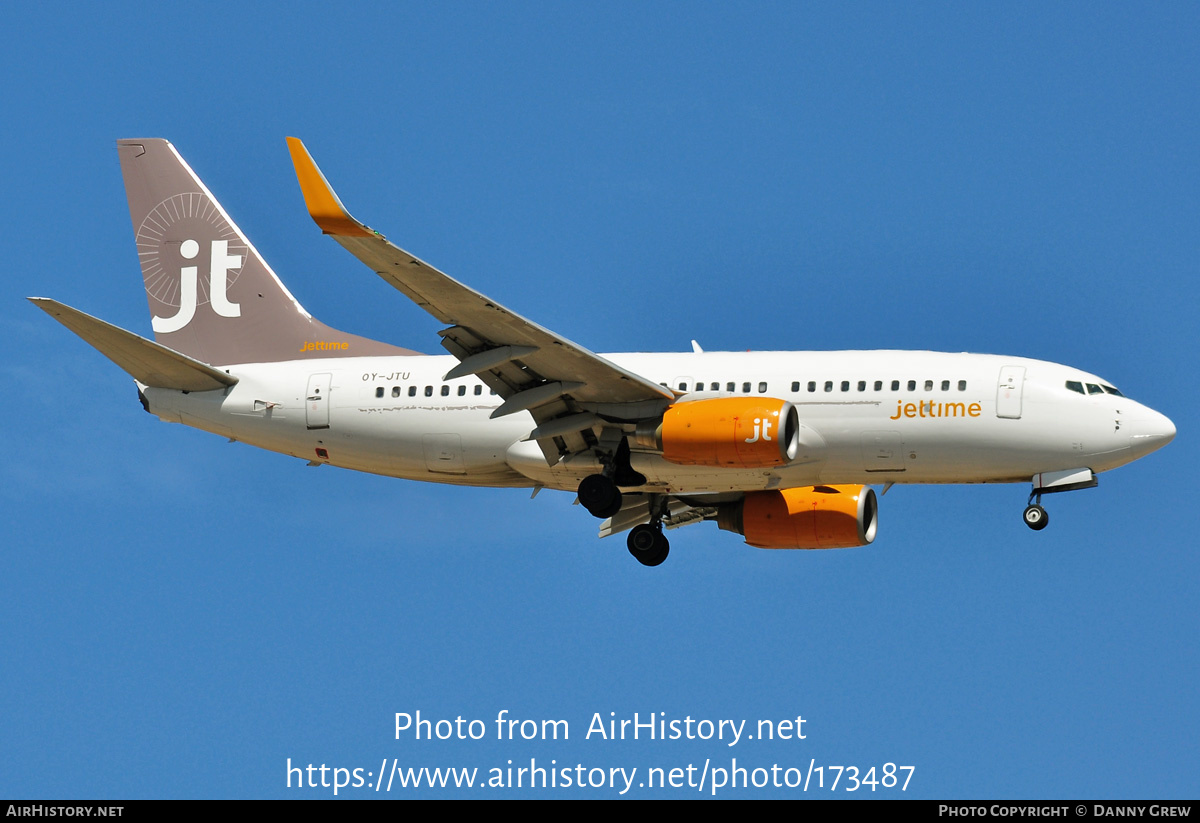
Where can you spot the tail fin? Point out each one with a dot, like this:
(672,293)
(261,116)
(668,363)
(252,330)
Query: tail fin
(211,295)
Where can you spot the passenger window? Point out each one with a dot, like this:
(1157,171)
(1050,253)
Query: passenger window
(845,385)
(478,390)
(962,385)
(730,387)
(1075,386)
(828,385)
(714,386)
(928,385)
(762,388)
(746,388)
(379,392)
(878,385)
(395,391)
(462,390)
(862,385)
(912,385)
(945,385)
(812,385)
(683,385)
(412,391)
(445,391)
(795,386)
(429,391)
(895,385)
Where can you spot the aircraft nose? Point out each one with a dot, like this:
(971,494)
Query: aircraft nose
(1151,432)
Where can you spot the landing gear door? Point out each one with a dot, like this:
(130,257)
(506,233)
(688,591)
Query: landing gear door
(316,401)
(1008,391)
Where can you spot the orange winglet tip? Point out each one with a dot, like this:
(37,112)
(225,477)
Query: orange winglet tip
(323,205)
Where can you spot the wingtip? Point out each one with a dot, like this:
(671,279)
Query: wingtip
(323,204)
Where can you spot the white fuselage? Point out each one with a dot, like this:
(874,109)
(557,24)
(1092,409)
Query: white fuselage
(867,417)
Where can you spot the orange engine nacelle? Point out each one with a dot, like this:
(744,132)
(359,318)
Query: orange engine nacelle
(738,432)
(817,517)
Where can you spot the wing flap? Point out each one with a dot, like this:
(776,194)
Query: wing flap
(636,510)
(150,363)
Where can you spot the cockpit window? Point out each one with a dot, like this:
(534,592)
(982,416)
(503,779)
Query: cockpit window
(1092,388)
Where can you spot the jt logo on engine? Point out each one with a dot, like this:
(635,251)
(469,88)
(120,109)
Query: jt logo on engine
(766,426)
(222,261)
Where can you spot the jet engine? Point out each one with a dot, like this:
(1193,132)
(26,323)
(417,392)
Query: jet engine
(738,432)
(816,517)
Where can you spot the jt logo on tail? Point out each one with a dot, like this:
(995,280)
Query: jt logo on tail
(222,261)
(191,253)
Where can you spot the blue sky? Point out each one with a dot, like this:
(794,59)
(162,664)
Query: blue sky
(179,616)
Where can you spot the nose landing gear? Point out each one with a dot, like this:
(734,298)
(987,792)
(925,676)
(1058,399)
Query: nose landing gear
(1049,482)
(1035,516)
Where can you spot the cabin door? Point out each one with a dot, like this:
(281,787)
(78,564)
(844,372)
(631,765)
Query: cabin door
(1008,391)
(316,401)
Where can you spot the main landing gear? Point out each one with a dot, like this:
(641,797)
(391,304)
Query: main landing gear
(600,495)
(648,544)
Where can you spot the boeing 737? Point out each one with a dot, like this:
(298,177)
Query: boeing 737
(780,447)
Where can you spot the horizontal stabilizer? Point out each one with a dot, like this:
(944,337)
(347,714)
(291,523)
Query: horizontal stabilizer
(148,362)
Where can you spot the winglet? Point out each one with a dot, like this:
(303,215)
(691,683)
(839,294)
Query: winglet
(323,205)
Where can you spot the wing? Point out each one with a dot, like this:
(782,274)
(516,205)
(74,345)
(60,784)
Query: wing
(563,385)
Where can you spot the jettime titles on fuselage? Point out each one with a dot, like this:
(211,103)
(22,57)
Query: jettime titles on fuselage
(928,408)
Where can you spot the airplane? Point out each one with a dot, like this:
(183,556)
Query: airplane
(779,447)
